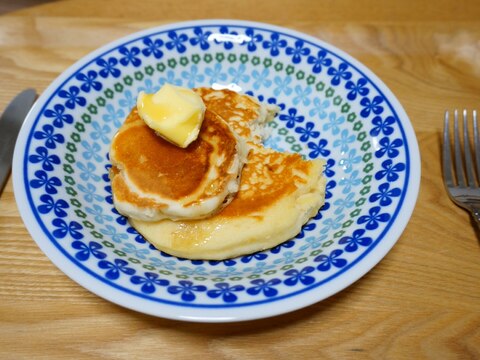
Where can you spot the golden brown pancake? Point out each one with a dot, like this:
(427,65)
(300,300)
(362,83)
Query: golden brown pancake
(278,193)
(243,113)
(153,179)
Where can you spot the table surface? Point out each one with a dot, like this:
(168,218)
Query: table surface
(422,300)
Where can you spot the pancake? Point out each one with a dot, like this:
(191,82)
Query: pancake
(245,114)
(278,194)
(153,179)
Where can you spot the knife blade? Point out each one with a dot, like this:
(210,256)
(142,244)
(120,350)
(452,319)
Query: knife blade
(10,123)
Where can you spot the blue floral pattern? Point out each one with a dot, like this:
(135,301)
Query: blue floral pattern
(329,108)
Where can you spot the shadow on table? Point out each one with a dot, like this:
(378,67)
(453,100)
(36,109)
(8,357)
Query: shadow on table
(10,6)
(476,229)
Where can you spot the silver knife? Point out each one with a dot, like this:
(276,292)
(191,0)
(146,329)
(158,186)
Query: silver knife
(10,124)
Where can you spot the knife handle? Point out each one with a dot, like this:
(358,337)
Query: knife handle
(10,124)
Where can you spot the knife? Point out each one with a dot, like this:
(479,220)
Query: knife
(10,124)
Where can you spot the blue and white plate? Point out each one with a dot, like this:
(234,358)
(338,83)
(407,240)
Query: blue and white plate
(331,107)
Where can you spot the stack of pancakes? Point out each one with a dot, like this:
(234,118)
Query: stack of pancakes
(223,196)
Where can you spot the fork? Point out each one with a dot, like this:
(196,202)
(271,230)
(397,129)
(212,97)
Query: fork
(459,175)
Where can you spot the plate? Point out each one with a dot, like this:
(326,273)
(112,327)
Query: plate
(331,107)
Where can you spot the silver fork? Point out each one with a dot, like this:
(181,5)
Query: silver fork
(460,178)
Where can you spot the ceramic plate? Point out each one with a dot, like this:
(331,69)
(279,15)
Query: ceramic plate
(332,107)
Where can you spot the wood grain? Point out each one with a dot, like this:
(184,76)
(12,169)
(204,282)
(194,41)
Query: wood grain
(422,301)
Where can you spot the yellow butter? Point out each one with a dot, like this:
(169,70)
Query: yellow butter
(175,113)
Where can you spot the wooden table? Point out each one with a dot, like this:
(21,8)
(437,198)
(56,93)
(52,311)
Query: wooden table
(421,301)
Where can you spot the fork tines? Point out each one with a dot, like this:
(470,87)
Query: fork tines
(464,165)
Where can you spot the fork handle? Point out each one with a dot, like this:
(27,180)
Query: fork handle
(476,215)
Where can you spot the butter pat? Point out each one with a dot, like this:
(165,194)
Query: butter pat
(175,113)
